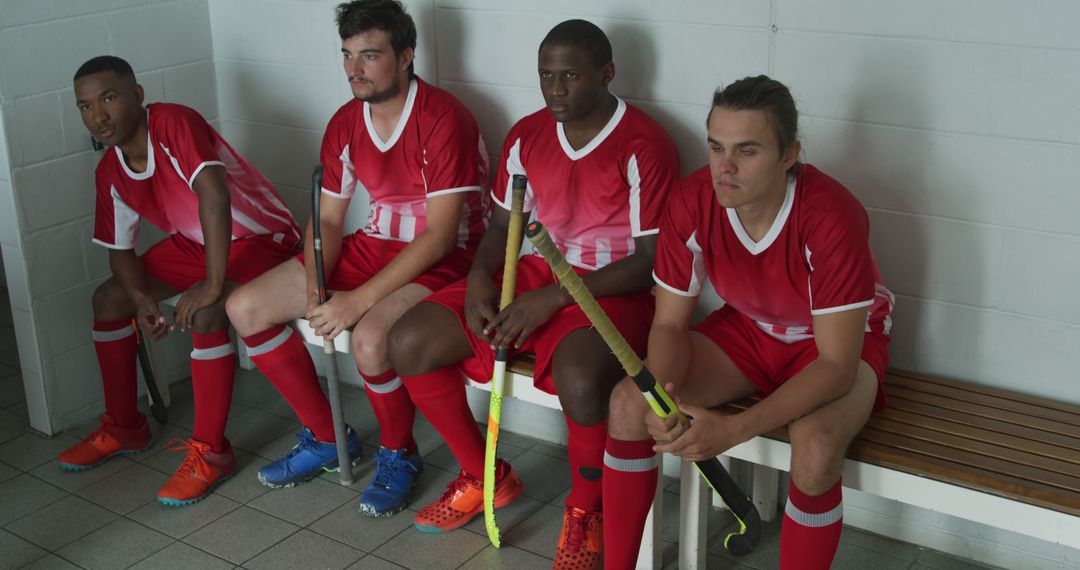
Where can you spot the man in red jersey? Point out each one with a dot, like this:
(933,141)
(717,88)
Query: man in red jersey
(598,170)
(417,152)
(227,226)
(806,325)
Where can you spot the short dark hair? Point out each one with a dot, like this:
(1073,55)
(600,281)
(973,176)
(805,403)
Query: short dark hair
(105,63)
(584,35)
(765,94)
(359,16)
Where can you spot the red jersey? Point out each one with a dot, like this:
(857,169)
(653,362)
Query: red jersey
(436,149)
(814,260)
(180,143)
(595,200)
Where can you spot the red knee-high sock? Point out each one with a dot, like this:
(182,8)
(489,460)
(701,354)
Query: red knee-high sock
(631,470)
(116,346)
(281,355)
(440,396)
(811,529)
(586,452)
(213,370)
(395,411)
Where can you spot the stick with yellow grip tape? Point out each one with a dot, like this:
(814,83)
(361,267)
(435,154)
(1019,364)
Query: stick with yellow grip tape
(502,354)
(737,543)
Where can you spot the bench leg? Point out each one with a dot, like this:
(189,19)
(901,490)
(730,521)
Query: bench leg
(766,480)
(717,502)
(692,518)
(650,555)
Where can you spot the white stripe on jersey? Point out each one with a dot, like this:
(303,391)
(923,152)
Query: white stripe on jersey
(602,247)
(633,177)
(348,174)
(407,227)
(697,274)
(125,223)
(514,166)
(786,335)
(191,181)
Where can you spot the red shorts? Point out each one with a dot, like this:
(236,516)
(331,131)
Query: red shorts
(632,315)
(181,262)
(362,256)
(768,362)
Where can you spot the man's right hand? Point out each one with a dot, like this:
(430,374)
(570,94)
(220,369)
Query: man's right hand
(481,305)
(150,319)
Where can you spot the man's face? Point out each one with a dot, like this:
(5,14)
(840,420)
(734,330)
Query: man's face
(744,156)
(375,72)
(110,105)
(571,83)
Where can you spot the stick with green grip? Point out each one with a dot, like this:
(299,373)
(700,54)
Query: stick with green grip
(502,354)
(737,543)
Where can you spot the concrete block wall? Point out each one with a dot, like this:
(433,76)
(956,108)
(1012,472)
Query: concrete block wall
(47,189)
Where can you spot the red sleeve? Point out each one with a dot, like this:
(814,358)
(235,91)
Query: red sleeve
(455,159)
(511,163)
(116,225)
(339,172)
(188,139)
(651,171)
(679,266)
(837,250)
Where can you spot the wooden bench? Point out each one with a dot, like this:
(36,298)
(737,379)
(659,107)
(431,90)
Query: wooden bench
(984,454)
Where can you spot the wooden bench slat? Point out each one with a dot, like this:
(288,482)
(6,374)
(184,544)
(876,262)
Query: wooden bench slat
(1019,457)
(989,424)
(1011,441)
(968,394)
(993,413)
(998,392)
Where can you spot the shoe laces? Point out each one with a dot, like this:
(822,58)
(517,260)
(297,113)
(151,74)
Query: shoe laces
(457,487)
(575,529)
(102,432)
(388,464)
(307,441)
(195,462)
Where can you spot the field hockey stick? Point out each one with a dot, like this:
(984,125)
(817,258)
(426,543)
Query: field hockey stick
(344,461)
(502,354)
(737,543)
(157,406)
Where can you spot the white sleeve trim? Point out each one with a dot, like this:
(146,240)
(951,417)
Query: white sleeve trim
(454,190)
(651,232)
(113,245)
(841,308)
(333,194)
(198,169)
(674,290)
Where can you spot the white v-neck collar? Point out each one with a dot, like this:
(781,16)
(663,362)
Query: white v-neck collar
(149,156)
(404,118)
(778,224)
(613,122)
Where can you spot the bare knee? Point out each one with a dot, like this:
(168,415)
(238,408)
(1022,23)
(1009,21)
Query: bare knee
(111,302)
(210,318)
(406,346)
(584,392)
(626,411)
(817,455)
(369,348)
(241,309)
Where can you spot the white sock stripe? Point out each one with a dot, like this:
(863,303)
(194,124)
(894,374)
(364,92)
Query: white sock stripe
(213,353)
(385,388)
(814,519)
(631,465)
(278,340)
(109,336)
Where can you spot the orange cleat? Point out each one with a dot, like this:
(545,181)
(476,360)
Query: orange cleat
(107,442)
(201,471)
(464,499)
(581,541)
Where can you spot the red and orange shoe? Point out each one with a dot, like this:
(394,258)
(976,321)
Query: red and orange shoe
(581,543)
(464,499)
(107,442)
(201,471)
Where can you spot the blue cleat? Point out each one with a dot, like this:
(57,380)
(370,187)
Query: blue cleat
(307,459)
(395,476)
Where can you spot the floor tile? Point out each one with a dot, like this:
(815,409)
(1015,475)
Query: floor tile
(879,544)
(51,562)
(255,428)
(507,517)
(10,358)
(244,486)
(429,487)
(17,552)
(850,557)
(926,559)
(304,504)
(359,415)
(7,472)
(62,522)
(414,549)
(25,494)
(180,522)
(19,409)
(117,545)
(12,425)
(29,450)
(305,549)
(241,535)
(506,558)
(545,477)
(127,490)
(74,480)
(180,556)
(539,533)
(346,524)
(372,562)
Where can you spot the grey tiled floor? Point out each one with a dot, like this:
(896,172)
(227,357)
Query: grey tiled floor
(108,518)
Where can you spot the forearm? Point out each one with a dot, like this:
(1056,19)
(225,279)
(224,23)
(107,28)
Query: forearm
(215,216)
(491,253)
(669,353)
(821,382)
(129,272)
